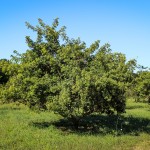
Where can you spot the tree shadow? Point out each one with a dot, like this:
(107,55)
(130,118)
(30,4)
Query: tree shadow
(4,111)
(41,125)
(9,108)
(96,124)
(135,107)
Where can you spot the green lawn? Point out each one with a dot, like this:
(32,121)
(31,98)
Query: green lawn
(23,129)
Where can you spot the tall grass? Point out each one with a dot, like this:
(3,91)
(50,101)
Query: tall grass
(23,129)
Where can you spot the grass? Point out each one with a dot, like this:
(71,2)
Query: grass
(23,129)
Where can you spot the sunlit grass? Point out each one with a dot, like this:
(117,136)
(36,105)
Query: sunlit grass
(19,131)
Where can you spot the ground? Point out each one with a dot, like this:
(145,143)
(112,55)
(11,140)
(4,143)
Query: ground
(24,129)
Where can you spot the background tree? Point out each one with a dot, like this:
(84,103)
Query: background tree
(142,86)
(4,63)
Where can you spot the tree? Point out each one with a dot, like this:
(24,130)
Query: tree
(3,73)
(142,86)
(68,77)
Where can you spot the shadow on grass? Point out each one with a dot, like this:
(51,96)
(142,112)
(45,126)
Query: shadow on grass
(9,108)
(6,110)
(135,107)
(96,124)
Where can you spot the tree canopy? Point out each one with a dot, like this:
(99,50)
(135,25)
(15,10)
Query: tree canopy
(66,76)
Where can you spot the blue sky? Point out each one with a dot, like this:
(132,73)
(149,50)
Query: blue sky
(124,24)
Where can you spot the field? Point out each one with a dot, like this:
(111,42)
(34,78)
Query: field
(23,129)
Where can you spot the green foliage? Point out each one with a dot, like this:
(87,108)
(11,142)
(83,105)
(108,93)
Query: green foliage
(8,79)
(142,86)
(68,77)
(4,76)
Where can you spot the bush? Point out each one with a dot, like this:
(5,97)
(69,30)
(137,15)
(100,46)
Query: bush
(69,78)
